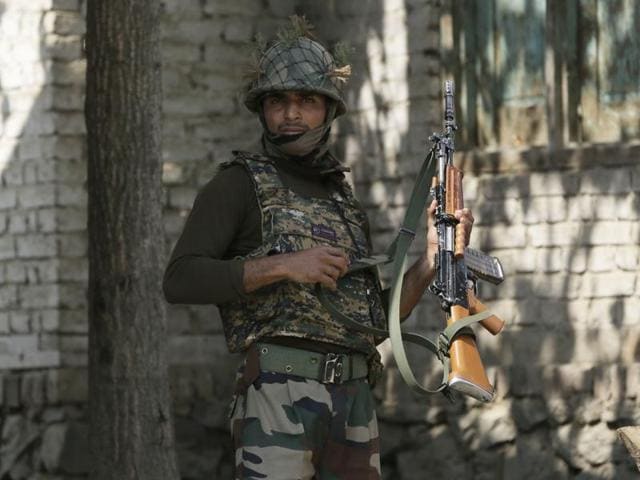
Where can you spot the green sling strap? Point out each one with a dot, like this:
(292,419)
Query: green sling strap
(397,252)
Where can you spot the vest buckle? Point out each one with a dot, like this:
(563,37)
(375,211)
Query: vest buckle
(333,368)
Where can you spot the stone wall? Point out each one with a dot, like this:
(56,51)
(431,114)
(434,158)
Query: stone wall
(565,225)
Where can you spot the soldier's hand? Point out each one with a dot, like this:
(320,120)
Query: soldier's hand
(464,216)
(324,265)
(432,234)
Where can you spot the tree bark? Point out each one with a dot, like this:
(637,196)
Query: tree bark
(129,402)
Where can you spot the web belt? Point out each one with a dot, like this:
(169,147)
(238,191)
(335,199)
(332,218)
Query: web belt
(325,368)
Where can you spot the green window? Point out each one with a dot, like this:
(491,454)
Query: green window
(535,72)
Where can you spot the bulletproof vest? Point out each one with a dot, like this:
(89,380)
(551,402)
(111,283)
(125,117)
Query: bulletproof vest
(290,223)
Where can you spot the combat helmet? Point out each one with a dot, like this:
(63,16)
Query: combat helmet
(296,61)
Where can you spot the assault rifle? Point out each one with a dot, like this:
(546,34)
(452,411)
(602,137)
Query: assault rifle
(458,268)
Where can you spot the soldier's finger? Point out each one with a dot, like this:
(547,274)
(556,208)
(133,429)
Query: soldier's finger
(431,212)
(465,216)
(332,272)
(328,282)
(337,252)
(341,262)
(332,250)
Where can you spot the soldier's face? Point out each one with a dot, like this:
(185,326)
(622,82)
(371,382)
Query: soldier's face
(293,113)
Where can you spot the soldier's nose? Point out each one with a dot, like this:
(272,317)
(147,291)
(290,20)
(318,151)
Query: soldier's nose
(291,111)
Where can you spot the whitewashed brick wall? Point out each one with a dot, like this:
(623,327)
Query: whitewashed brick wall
(43,202)
(43,248)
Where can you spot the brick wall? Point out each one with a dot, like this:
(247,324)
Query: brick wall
(563,223)
(566,365)
(42,235)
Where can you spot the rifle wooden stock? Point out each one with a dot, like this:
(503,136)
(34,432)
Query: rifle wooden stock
(492,324)
(467,371)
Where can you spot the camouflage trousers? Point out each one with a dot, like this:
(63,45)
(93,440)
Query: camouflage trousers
(287,427)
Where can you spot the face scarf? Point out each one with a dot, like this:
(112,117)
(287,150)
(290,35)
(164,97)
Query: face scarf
(309,149)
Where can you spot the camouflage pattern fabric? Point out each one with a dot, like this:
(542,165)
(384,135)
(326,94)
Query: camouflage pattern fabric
(288,428)
(300,64)
(292,223)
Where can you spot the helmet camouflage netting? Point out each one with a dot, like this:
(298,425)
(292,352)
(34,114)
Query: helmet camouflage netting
(297,62)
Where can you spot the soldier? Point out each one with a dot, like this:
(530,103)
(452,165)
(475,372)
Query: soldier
(262,233)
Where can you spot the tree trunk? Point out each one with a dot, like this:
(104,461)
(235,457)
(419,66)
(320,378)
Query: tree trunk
(129,403)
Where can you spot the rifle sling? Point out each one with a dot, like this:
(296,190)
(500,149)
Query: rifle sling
(397,252)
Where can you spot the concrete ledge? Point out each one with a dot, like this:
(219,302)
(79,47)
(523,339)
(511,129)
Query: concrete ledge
(535,159)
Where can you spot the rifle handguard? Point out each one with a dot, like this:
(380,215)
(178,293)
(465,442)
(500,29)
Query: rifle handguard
(455,201)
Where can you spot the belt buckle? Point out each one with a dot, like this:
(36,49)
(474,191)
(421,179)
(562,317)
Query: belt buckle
(333,368)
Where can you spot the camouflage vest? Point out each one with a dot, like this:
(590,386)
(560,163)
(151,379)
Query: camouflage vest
(291,223)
